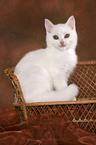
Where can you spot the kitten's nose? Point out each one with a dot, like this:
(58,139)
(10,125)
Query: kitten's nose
(62,43)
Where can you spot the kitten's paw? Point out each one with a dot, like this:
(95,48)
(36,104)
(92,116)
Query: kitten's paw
(74,90)
(74,99)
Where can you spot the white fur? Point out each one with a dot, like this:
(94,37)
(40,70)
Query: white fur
(44,73)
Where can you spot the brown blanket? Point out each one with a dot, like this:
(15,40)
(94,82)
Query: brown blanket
(42,130)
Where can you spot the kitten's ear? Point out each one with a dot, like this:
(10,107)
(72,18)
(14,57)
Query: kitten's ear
(71,22)
(48,25)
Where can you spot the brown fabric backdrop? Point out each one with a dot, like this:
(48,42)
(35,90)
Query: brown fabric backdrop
(22,30)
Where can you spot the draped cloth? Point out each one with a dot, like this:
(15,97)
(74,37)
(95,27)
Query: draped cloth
(43,129)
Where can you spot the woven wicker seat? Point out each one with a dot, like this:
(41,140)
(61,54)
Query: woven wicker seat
(82,111)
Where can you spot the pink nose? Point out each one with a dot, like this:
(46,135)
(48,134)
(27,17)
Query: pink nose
(62,42)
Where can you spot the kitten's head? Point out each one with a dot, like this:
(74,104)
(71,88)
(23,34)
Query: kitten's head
(61,36)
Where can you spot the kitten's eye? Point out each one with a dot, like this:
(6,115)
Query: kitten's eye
(55,37)
(67,36)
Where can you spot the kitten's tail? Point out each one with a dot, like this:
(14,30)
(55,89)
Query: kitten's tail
(67,94)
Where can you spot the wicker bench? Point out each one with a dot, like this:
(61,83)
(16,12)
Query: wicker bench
(82,111)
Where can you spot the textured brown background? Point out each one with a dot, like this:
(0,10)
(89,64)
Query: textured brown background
(22,30)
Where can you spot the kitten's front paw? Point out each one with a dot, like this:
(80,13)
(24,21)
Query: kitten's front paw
(74,99)
(75,90)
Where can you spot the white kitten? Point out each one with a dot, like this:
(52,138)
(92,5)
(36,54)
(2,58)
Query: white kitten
(44,73)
